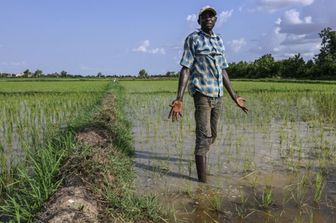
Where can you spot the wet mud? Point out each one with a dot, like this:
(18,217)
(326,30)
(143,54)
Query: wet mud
(256,172)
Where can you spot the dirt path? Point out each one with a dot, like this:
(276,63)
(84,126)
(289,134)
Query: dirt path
(77,199)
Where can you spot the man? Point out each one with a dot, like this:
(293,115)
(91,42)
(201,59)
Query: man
(204,63)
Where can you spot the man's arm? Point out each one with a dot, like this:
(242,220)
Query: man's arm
(183,81)
(227,85)
(177,104)
(240,101)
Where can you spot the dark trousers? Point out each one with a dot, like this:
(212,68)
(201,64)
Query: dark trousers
(207,112)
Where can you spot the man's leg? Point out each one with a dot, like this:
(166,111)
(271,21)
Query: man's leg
(215,114)
(203,133)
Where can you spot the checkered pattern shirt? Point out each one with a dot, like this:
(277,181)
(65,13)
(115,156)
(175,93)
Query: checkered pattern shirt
(204,55)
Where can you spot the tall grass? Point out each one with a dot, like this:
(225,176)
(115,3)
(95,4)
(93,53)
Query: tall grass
(43,125)
(125,204)
(35,181)
(38,137)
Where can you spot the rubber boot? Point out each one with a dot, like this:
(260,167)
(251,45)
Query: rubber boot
(201,168)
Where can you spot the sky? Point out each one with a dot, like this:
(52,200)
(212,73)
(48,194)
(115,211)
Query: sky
(122,37)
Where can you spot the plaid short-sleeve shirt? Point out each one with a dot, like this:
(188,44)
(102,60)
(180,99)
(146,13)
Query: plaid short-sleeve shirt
(204,55)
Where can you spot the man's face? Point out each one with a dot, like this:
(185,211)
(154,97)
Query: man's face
(207,20)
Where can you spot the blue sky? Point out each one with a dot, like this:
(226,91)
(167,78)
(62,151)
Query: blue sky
(122,37)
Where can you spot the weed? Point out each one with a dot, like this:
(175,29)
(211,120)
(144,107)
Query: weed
(319,185)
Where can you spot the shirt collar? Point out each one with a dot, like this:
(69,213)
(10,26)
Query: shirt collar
(206,34)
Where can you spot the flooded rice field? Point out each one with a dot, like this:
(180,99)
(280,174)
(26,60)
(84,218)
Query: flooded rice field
(32,111)
(276,164)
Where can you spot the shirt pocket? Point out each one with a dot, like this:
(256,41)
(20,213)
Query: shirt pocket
(202,49)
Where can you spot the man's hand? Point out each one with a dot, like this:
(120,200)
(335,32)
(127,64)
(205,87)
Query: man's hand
(176,110)
(240,101)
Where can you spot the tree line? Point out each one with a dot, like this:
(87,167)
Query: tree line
(322,66)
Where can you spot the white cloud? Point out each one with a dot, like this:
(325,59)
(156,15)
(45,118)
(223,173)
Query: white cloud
(296,31)
(293,17)
(192,18)
(273,5)
(309,20)
(322,12)
(223,17)
(283,45)
(13,63)
(145,48)
(237,44)
(192,22)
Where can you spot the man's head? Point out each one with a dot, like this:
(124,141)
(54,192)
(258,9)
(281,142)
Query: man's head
(207,18)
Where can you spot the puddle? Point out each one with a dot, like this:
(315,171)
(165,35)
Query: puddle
(257,172)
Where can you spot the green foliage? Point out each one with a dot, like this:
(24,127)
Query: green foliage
(121,126)
(319,186)
(61,86)
(64,73)
(326,60)
(265,66)
(143,73)
(172,74)
(121,197)
(323,67)
(37,110)
(293,67)
(26,186)
(26,73)
(38,73)
(35,184)
(328,45)
(266,197)
(241,69)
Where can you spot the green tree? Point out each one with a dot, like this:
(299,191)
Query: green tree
(310,69)
(64,73)
(243,69)
(326,60)
(143,73)
(38,73)
(26,73)
(293,67)
(265,66)
(170,73)
(328,44)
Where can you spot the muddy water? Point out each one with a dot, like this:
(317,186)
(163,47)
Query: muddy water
(249,161)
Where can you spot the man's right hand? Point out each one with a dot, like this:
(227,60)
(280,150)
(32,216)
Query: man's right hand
(176,110)
(240,101)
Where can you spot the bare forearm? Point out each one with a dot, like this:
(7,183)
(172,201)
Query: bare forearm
(183,81)
(228,86)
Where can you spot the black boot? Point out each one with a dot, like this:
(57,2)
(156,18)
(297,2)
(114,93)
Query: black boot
(201,168)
